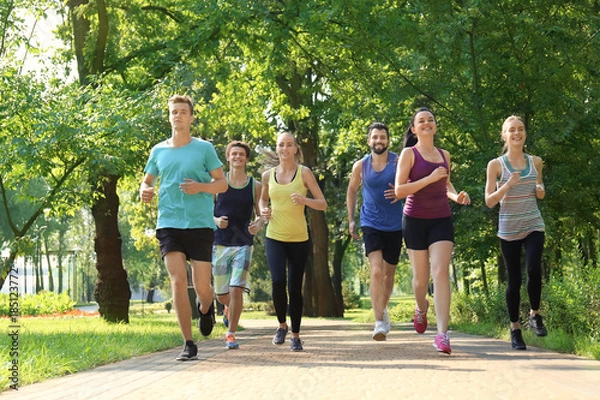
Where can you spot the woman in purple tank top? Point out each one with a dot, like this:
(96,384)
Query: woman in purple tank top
(423,177)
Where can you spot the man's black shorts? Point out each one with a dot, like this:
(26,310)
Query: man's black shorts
(196,244)
(390,243)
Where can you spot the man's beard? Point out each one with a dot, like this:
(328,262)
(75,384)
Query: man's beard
(379,150)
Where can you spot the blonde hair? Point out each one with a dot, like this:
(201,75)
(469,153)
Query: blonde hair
(270,158)
(507,121)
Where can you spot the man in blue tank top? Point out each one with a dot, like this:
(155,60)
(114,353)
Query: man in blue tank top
(380,220)
(232,249)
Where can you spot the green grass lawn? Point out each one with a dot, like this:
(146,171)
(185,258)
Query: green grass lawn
(50,347)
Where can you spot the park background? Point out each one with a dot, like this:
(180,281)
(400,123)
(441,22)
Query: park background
(75,131)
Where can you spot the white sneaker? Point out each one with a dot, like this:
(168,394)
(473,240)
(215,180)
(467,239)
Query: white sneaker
(386,320)
(379,332)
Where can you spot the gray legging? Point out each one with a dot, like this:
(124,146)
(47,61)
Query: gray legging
(511,252)
(294,256)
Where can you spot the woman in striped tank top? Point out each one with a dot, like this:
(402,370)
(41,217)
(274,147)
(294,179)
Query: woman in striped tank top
(515,181)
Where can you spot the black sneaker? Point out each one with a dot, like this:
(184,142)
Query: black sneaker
(206,321)
(296,344)
(536,323)
(279,337)
(516,338)
(189,352)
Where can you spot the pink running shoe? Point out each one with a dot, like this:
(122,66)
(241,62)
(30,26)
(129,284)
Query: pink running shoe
(420,320)
(442,343)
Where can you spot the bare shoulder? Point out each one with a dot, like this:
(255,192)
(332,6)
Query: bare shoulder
(494,166)
(407,153)
(265,176)
(307,172)
(357,165)
(356,174)
(493,163)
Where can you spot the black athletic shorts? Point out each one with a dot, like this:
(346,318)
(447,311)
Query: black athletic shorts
(196,244)
(390,243)
(420,233)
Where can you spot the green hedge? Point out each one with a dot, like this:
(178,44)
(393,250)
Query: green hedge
(42,303)
(570,303)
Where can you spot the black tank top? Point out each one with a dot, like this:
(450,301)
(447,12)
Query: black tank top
(237,205)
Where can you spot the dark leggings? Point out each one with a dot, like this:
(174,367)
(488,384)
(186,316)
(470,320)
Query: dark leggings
(294,256)
(511,252)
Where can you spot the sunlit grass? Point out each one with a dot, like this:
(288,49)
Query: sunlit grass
(50,347)
(557,340)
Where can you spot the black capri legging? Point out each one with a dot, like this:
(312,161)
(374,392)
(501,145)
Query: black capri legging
(292,255)
(511,253)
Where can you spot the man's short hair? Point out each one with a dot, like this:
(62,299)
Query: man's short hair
(182,99)
(238,143)
(380,126)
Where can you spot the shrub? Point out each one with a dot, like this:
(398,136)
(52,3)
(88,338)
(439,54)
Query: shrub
(42,303)
(480,307)
(351,299)
(258,306)
(572,303)
(403,312)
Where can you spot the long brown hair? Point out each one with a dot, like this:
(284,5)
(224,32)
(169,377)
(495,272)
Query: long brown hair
(410,139)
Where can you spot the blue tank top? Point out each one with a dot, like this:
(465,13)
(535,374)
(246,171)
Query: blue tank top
(237,204)
(432,201)
(376,211)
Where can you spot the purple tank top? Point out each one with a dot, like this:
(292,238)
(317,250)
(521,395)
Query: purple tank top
(431,201)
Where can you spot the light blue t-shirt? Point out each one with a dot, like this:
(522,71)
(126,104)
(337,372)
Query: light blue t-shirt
(172,164)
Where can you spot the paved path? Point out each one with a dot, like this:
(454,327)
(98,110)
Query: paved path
(340,361)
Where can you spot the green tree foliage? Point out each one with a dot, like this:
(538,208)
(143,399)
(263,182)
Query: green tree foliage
(325,70)
(41,157)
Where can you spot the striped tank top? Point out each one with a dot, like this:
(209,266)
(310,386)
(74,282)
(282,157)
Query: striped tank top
(519,212)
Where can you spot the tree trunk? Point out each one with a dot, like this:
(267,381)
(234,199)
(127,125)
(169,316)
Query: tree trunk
(339,249)
(323,296)
(112,288)
(150,296)
(7,266)
(319,297)
(49,262)
(501,270)
(39,280)
(484,278)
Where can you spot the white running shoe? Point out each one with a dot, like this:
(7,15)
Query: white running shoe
(379,332)
(386,320)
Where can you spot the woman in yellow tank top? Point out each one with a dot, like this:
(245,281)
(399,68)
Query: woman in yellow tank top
(282,203)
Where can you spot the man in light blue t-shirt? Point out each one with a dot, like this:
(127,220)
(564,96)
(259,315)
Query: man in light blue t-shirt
(190,175)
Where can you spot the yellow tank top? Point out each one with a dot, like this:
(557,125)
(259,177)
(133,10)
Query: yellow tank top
(288,223)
